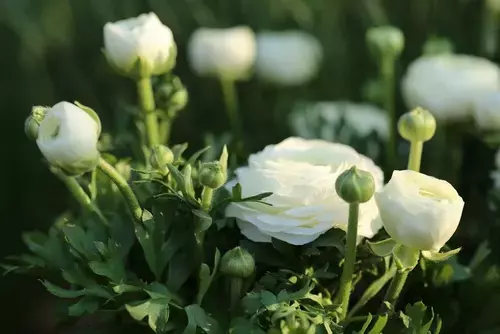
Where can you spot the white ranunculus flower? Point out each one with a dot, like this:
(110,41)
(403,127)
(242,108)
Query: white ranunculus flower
(222,53)
(288,58)
(67,137)
(301,174)
(419,211)
(448,84)
(486,111)
(142,38)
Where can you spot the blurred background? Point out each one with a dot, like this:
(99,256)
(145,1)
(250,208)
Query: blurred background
(51,52)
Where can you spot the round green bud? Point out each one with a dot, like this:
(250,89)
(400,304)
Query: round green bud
(212,175)
(386,40)
(437,45)
(355,185)
(160,157)
(417,125)
(33,121)
(172,96)
(237,262)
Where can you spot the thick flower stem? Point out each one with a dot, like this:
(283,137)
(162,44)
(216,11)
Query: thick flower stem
(235,290)
(231,102)
(387,75)
(79,194)
(396,287)
(165,130)
(147,105)
(206,198)
(123,186)
(415,157)
(350,258)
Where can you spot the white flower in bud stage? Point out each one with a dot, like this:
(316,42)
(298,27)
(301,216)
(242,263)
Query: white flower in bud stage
(486,111)
(301,174)
(288,58)
(142,44)
(447,84)
(67,138)
(222,53)
(419,211)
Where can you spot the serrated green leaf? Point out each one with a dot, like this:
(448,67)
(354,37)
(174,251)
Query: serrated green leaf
(78,240)
(405,319)
(138,310)
(62,293)
(438,257)
(86,305)
(158,290)
(244,326)
(112,269)
(198,318)
(382,248)
(99,291)
(181,185)
(405,257)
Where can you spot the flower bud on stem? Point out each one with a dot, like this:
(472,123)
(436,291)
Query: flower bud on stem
(147,105)
(237,264)
(123,186)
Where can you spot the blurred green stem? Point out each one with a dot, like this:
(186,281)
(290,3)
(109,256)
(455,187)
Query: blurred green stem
(165,129)
(147,105)
(123,186)
(79,194)
(231,102)
(206,198)
(350,258)
(415,157)
(387,76)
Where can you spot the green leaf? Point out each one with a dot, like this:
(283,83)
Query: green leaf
(236,192)
(146,236)
(405,257)
(180,268)
(192,159)
(418,322)
(62,293)
(206,278)
(178,150)
(112,269)
(244,326)
(124,288)
(181,184)
(79,240)
(382,248)
(379,325)
(405,319)
(366,324)
(188,181)
(138,310)
(438,257)
(332,239)
(198,318)
(203,220)
(223,159)
(158,290)
(86,305)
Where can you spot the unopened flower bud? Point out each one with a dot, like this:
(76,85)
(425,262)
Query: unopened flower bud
(161,156)
(32,123)
(172,96)
(123,167)
(417,125)
(438,45)
(212,175)
(238,263)
(355,186)
(386,40)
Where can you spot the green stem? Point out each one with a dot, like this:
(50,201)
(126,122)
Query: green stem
(206,198)
(350,258)
(231,102)
(415,157)
(396,287)
(387,74)
(123,186)
(373,290)
(165,130)
(79,194)
(147,105)
(235,287)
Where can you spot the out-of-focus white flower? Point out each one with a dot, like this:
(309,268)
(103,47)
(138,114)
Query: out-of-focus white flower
(301,174)
(67,137)
(419,211)
(288,58)
(223,53)
(141,39)
(447,84)
(486,111)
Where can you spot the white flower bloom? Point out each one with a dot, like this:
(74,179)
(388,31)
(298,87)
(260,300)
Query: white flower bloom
(448,84)
(288,58)
(301,174)
(228,53)
(142,38)
(67,137)
(486,111)
(419,211)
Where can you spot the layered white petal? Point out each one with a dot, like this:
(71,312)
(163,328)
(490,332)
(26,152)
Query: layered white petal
(486,111)
(419,211)
(301,174)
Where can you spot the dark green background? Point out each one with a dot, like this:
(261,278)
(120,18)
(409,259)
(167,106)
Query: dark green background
(50,51)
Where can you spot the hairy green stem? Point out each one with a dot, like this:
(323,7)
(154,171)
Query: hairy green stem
(124,187)
(206,198)
(396,287)
(235,287)
(79,194)
(350,258)
(415,157)
(147,105)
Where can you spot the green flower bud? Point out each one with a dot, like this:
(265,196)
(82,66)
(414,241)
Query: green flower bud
(386,40)
(33,121)
(238,263)
(212,175)
(160,157)
(437,45)
(172,96)
(355,185)
(417,125)
(123,167)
